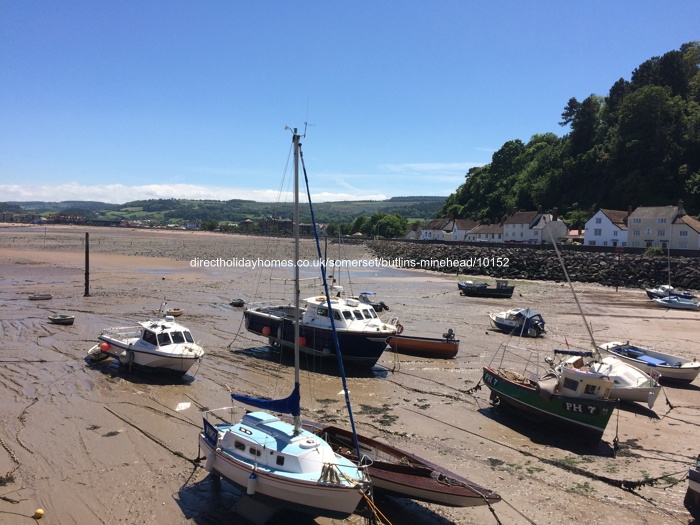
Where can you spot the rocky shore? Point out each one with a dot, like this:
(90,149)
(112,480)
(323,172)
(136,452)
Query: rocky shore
(541,264)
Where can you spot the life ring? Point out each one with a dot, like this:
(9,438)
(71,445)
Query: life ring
(399,328)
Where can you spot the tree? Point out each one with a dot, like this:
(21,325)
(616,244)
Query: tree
(210,225)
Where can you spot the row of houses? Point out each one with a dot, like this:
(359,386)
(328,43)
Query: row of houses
(646,226)
(658,226)
(531,227)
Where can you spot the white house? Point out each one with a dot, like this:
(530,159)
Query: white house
(437,230)
(654,226)
(607,228)
(486,233)
(461,227)
(517,227)
(685,234)
(529,226)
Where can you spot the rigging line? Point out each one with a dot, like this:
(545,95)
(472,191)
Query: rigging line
(568,280)
(626,485)
(338,352)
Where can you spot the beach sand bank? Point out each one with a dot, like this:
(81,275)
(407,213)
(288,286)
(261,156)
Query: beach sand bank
(97,444)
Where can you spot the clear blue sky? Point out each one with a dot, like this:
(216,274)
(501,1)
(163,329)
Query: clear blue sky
(118,101)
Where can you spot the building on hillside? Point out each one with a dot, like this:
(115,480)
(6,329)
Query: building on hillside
(530,226)
(486,233)
(686,233)
(461,227)
(607,228)
(654,226)
(437,230)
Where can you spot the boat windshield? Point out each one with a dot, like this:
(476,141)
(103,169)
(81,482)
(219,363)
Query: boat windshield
(163,339)
(188,337)
(177,337)
(150,337)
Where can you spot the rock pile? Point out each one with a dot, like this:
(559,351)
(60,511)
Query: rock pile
(541,263)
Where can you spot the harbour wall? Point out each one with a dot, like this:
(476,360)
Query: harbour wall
(633,270)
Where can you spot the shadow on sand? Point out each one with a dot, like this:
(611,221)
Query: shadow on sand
(215,501)
(319,365)
(545,434)
(139,374)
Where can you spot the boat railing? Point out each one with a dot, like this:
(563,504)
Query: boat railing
(518,358)
(123,332)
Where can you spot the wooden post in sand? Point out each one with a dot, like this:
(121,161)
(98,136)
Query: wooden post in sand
(87,265)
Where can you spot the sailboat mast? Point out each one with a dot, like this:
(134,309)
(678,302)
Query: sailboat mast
(297,292)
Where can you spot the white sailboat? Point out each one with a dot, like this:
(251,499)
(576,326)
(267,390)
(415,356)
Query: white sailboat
(278,461)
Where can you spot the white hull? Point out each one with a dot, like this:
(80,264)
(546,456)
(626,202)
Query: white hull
(127,354)
(629,382)
(675,368)
(330,500)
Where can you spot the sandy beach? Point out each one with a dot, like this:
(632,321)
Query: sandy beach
(97,444)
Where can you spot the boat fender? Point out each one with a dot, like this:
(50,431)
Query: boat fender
(399,328)
(252,481)
(104,347)
(652,399)
(209,465)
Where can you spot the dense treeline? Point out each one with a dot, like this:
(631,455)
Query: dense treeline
(639,145)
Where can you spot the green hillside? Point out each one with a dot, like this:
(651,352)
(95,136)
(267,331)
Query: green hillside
(637,145)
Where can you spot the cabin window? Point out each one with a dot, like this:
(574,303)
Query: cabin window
(322,311)
(358,314)
(163,339)
(590,389)
(367,314)
(336,315)
(347,314)
(279,460)
(150,337)
(177,337)
(238,445)
(373,313)
(570,384)
(188,337)
(254,451)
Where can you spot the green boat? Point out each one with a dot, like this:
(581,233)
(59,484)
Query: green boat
(570,399)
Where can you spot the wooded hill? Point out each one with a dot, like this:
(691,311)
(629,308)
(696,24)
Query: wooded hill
(179,210)
(639,145)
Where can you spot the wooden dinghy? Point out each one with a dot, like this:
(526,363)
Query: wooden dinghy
(445,348)
(404,475)
(175,312)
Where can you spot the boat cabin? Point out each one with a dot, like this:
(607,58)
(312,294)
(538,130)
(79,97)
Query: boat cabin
(582,383)
(348,314)
(250,438)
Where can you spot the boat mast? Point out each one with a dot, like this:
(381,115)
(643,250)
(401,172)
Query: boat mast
(297,292)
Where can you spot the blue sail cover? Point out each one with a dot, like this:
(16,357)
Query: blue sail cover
(288,405)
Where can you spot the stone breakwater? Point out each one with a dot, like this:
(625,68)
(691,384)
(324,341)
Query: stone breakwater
(542,264)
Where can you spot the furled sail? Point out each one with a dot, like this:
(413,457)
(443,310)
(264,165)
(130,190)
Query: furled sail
(288,405)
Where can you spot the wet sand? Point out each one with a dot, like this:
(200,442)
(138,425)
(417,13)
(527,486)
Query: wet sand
(97,444)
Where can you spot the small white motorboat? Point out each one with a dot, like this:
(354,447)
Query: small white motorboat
(677,303)
(671,367)
(159,343)
(519,322)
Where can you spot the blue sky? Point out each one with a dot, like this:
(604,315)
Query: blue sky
(118,101)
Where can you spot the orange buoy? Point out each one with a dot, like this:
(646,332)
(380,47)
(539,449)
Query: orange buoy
(266,330)
(104,347)
(302,341)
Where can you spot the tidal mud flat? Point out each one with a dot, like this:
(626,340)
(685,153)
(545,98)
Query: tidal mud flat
(98,444)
